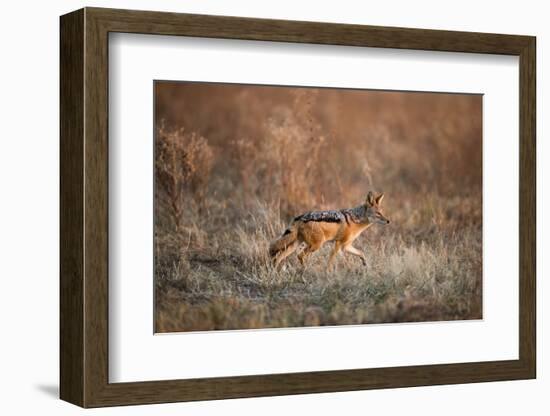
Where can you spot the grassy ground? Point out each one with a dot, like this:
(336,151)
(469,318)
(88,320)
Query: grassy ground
(224,194)
(223,279)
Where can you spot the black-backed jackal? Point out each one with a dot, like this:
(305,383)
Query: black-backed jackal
(318,227)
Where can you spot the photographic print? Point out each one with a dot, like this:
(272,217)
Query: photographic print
(283,206)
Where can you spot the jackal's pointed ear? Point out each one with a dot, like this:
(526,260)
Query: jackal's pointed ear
(379,199)
(370,198)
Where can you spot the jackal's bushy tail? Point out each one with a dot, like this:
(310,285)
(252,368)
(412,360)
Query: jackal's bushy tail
(282,243)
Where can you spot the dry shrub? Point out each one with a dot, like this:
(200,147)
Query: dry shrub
(285,166)
(244,152)
(183,163)
(293,149)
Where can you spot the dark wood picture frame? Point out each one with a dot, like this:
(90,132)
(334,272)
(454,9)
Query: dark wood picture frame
(84,207)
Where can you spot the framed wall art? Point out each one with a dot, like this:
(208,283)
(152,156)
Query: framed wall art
(257,207)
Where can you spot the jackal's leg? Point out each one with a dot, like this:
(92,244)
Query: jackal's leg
(335,250)
(356,252)
(303,256)
(283,254)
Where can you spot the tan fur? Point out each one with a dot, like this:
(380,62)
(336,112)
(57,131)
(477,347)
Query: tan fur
(316,233)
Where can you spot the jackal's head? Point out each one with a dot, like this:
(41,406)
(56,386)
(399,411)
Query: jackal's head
(374,214)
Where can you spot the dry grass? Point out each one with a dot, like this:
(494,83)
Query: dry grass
(251,158)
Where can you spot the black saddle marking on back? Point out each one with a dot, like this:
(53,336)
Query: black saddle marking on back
(322,216)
